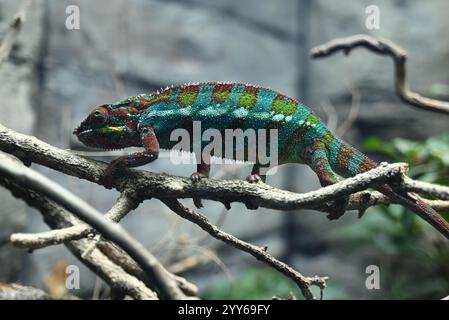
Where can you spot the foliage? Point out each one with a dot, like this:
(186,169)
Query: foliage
(259,284)
(414,261)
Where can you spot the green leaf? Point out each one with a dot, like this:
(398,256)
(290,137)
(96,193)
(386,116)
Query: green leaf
(375,144)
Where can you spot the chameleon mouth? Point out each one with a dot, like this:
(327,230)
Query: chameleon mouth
(107,138)
(111,129)
(78,131)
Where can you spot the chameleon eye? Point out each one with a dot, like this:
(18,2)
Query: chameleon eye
(98,117)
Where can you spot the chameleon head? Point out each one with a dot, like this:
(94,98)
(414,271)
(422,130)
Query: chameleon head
(109,127)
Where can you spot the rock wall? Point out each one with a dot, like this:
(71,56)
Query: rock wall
(56,76)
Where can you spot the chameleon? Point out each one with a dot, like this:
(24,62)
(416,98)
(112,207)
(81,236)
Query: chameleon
(146,120)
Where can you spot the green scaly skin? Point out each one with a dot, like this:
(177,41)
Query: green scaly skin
(147,121)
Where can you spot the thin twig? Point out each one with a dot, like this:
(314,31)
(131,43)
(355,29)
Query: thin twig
(399,56)
(9,39)
(259,253)
(436,190)
(352,115)
(190,262)
(331,114)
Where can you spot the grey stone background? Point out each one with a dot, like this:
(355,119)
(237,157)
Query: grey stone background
(55,76)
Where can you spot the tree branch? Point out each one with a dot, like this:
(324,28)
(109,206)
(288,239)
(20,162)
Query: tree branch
(14,291)
(57,217)
(99,260)
(436,190)
(362,200)
(119,257)
(165,285)
(399,56)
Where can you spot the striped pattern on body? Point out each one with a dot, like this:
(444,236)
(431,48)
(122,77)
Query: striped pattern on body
(245,106)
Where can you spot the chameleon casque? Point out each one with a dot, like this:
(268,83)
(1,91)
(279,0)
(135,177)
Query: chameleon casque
(147,121)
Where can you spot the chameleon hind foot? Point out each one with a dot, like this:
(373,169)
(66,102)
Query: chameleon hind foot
(251,206)
(338,208)
(196,177)
(197,202)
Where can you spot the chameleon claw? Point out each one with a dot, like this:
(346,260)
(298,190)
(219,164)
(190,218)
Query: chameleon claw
(227,204)
(197,176)
(338,208)
(197,202)
(251,205)
(253,178)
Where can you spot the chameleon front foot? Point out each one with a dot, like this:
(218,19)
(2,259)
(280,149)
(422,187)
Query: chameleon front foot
(196,177)
(253,178)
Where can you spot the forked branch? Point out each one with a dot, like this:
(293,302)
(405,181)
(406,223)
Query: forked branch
(399,56)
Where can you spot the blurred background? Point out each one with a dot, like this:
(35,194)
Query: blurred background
(55,76)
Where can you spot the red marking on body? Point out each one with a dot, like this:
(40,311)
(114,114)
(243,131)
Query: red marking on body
(224,86)
(344,157)
(187,95)
(151,143)
(220,89)
(366,165)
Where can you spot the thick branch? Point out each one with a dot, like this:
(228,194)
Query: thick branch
(399,55)
(14,291)
(259,253)
(145,185)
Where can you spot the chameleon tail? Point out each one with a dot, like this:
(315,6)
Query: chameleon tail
(348,162)
(422,209)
